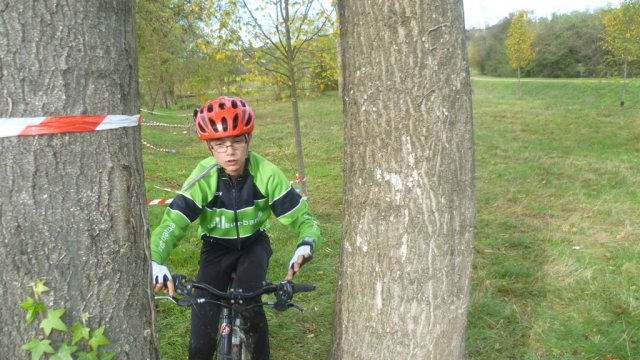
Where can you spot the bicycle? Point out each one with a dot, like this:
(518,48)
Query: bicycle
(231,338)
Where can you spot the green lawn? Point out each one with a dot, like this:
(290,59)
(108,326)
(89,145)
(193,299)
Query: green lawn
(557,243)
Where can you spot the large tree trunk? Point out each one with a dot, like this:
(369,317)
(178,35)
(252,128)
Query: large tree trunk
(409,181)
(72,209)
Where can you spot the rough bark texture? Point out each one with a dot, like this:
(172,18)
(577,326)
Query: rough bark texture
(409,181)
(72,207)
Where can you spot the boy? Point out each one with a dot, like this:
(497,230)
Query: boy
(233,194)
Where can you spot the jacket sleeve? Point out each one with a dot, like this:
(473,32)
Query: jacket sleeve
(168,234)
(183,210)
(292,210)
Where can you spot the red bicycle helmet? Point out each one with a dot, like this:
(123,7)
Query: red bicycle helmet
(223,117)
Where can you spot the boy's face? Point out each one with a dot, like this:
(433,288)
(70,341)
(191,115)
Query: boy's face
(230,153)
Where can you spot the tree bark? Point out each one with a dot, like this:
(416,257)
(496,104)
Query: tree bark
(73,205)
(409,181)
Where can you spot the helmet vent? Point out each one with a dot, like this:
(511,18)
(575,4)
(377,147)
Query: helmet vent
(235,122)
(248,122)
(221,105)
(234,104)
(213,125)
(225,125)
(201,128)
(210,108)
(243,103)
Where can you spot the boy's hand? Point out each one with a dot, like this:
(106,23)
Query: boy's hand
(161,278)
(303,254)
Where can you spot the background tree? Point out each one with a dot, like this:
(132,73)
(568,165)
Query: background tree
(568,46)
(487,49)
(161,46)
(183,52)
(622,27)
(519,44)
(409,190)
(278,35)
(323,52)
(73,205)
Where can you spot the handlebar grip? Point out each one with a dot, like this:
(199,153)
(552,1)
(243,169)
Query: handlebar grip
(182,286)
(303,288)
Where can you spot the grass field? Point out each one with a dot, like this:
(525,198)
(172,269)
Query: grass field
(557,243)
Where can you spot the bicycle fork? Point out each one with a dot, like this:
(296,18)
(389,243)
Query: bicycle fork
(231,337)
(238,342)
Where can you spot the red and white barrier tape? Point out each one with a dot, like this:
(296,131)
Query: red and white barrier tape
(157,148)
(175,115)
(165,189)
(156,123)
(159,201)
(49,125)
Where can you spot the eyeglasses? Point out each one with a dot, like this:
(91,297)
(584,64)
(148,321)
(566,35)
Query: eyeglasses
(222,147)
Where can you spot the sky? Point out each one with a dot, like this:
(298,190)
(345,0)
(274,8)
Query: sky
(484,13)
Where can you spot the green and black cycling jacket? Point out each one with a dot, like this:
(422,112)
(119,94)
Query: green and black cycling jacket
(233,214)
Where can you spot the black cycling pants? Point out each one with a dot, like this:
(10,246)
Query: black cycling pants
(217,263)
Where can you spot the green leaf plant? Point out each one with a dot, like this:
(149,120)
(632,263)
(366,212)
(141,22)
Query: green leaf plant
(84,343)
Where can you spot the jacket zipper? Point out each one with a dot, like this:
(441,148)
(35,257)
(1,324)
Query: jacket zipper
(235,210)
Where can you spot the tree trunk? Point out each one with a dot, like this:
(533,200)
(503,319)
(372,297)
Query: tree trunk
(298,137)
(293,97)
(72,209)
(624,83)
(409,181)
(518,90)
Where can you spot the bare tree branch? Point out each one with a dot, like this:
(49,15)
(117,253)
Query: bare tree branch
(273,70)
(279,13)
(311,37)
(260,28)
(299,31)
(279,59)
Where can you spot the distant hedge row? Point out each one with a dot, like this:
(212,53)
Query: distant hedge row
(567,45)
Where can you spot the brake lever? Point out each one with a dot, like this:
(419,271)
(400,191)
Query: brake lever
(188,301)
(170,298)
(281,307)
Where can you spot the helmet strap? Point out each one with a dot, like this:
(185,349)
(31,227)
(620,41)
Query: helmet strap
(247,138)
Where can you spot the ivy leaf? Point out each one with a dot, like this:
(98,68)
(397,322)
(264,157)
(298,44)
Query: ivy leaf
(33,308)
(38,287)
(38,347)
(87,356)
(53,322)
(85,317)
(64,352)
(98,339)
(79,332)
(107,355)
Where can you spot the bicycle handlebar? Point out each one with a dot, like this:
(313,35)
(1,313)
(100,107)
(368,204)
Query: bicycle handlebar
(283,291)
